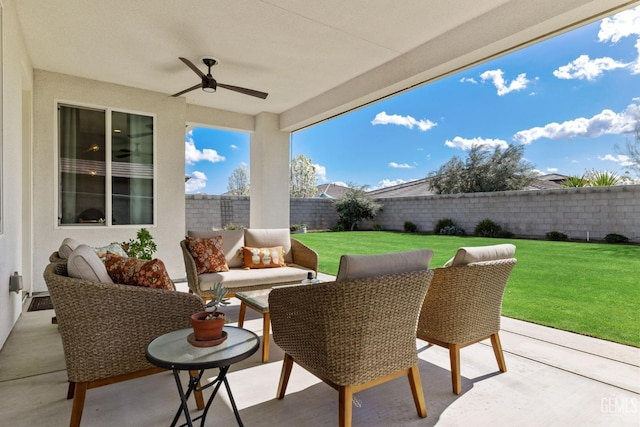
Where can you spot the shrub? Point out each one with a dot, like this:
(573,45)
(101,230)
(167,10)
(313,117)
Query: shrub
(452,230)
(556,236)
(488,228)
(377,227)
(410,227)
(616,238)
(444,222)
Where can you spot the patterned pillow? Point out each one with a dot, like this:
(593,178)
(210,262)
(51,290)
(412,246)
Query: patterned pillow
(114,248)
(263,257)
(138,272)
(208,254)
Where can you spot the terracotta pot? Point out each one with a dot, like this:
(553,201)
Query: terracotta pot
(207,329)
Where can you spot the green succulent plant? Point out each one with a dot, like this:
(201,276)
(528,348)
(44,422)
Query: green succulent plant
(218,297)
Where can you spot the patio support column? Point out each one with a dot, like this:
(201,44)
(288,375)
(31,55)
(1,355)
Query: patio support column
(269,174)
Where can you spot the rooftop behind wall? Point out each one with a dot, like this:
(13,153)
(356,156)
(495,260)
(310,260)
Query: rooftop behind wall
(573,211)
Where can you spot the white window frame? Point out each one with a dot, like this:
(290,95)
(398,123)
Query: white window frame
(108,161)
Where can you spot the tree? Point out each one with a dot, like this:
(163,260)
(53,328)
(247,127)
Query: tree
(484,171)
(302,177)
(238,184)
(632,149)
(355,206)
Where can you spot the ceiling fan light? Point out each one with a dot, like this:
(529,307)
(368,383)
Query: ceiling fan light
(209,86)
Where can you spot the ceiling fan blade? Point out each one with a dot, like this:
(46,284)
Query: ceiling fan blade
(193,67)
(256,93)
(198,86)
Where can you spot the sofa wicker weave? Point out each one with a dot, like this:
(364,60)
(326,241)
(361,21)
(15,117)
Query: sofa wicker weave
(106,327)
(462,307)
(300,260)
(353,334)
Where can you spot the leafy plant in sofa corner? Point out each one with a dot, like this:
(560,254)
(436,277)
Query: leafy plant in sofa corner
(143,247)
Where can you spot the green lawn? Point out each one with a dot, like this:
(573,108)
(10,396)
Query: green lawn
(589,288)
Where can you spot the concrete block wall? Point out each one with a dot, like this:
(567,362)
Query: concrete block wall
(597,211)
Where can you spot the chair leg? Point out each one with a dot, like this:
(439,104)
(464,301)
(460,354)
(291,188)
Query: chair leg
(345,406)
(416,391)
(78,404)
(454,355)
(287,364)
(497,350)
(266,326)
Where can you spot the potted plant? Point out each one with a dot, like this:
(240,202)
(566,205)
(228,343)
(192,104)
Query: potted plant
(207,325)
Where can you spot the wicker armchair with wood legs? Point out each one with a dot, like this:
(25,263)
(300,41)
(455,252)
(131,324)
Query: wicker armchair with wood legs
(352,334)
(105,328)
(462,307)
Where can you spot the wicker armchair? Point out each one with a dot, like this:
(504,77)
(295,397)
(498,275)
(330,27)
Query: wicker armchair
(105,329)
(353,334)
(463,307)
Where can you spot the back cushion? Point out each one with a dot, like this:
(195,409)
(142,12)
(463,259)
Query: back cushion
(468,255)
(85,264)
(359,266)
(232,243)
(67,246)
(269,237)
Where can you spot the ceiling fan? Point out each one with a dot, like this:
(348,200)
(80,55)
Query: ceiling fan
(209,84)
(125,152)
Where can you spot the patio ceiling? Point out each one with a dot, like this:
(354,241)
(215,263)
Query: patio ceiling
(316,59)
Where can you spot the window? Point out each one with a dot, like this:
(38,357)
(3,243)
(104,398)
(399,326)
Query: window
(106,167)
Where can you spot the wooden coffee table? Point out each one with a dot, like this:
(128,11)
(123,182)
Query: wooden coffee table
(258,301)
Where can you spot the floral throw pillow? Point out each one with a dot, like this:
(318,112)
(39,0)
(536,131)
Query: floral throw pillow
(208,254)
(263,257)
(113,248)
(138,272)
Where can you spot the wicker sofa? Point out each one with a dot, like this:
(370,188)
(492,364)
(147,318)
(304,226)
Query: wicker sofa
(105,328)
(299,259)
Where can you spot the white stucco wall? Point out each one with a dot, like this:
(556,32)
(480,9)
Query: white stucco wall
(50,88)
(16,83)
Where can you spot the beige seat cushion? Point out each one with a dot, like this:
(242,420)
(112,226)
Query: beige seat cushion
(84,263)
(469,255)
(359,266)
(238,277)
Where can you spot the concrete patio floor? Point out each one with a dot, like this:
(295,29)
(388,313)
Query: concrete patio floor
(554,378)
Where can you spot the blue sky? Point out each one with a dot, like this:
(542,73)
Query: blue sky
(569,100)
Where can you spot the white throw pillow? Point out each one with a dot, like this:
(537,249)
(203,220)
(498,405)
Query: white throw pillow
(84,263)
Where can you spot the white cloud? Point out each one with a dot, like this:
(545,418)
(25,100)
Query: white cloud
(620,25)
(193,155)
(606,122)
(468,80)
(552,170)
(388,183)
(635,67)
(466,144)
(234,147)
(497,77)
(197,181)
(340,183)
(321,173)
(407,121)
(620,159)
(585,68)
(401,165)
(538,172)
